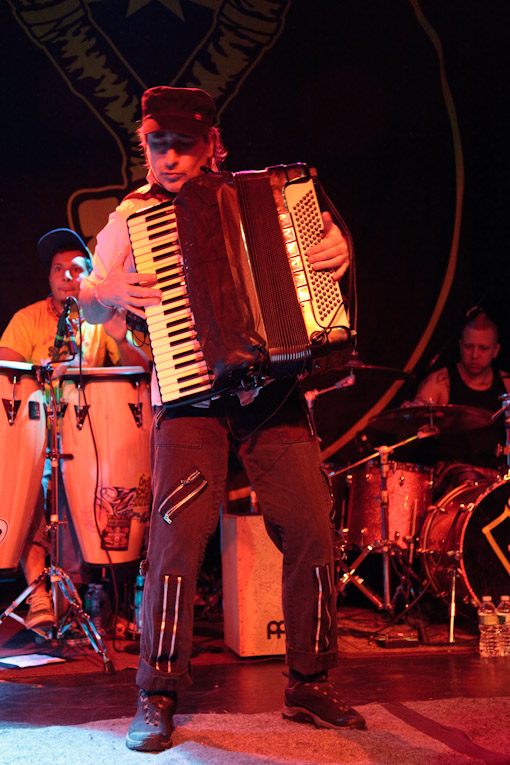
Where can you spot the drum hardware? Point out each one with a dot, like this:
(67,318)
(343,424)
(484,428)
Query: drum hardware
(12,405)
(350,575)
(80,410)
(11,409)
(505,399)
(61,409)
(137,409)
(453,605)
(384,545)
(311,395)
(354,366)
(59,580)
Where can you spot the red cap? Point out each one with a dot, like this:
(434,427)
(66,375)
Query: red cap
(184,110)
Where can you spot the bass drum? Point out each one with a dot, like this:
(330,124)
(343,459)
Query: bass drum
(469,528)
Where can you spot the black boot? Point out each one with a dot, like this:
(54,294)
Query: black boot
(152,726)
(314,699)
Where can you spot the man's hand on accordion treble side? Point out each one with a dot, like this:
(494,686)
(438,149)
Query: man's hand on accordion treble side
(332,251)
(121,289)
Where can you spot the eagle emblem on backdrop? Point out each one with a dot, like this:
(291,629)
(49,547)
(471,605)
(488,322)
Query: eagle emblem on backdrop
(107,56)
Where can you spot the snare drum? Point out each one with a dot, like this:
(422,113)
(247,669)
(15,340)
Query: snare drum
(105,427)
(22,453)
(409,495)
(469,530)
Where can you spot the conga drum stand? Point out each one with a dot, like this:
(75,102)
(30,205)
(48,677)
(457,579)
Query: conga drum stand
(57,578)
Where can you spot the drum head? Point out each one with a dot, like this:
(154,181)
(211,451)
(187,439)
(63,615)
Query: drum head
(486,543)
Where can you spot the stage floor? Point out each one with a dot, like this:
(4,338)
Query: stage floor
(426,700)
(400,669)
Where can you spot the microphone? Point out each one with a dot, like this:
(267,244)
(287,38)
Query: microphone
(61,326)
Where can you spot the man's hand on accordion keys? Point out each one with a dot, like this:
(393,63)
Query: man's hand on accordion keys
(332,251)
(131,291)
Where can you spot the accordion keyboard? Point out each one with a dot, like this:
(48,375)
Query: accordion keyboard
(178,358)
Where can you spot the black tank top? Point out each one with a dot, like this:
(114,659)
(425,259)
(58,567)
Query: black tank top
(462,394)
(474,447)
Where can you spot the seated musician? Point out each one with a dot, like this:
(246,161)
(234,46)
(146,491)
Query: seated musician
(270,432)
(30,337)
(474,381)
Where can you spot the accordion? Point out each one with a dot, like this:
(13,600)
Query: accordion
(240,303)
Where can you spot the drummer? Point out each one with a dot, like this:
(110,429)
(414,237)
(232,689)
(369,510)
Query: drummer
(30,337)
(474,381)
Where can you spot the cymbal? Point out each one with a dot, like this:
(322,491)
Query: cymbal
(449,418)
(358,366)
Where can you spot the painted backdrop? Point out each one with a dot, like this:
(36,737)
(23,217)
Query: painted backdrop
(400,105)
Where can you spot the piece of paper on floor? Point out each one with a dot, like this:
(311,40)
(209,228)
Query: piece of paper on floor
(29,660)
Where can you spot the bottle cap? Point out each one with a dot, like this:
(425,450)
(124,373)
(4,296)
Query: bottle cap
(486,598)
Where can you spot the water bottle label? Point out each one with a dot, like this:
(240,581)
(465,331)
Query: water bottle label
(504,619)
(488,620)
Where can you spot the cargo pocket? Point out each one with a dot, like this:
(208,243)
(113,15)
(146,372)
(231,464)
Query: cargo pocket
(182,495)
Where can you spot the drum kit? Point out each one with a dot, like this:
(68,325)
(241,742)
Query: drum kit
(460,542)
(94,425)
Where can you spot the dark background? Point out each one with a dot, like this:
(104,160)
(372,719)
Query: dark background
(351,87)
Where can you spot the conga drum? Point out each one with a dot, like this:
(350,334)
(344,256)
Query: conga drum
(105,431)
(22,454)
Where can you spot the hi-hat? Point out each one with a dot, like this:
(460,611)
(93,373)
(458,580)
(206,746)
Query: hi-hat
(356,366)
(449,418)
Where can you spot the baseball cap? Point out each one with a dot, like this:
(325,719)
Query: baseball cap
(60,239)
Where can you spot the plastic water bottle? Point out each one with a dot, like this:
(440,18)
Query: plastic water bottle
(96,606)
(489,627)
(87,599)
(140,579)
(503,612)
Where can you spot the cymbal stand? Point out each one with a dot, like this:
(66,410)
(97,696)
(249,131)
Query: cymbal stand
(385,552)
(59,580)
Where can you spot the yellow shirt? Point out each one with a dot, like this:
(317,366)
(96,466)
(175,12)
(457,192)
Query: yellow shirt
(31,332)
